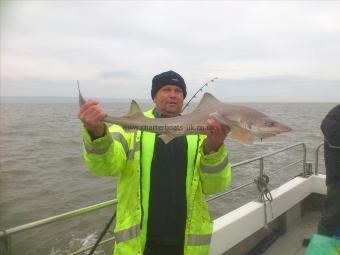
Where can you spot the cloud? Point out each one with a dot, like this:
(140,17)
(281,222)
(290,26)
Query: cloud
(117,74)
(281,88)
(124,44)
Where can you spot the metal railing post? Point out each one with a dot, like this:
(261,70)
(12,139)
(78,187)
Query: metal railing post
(308,169)
(316,169)
(261,166)
(5,243)
(304,160)
(260,178)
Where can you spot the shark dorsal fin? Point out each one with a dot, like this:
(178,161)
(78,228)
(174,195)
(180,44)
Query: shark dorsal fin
(207,100)
(134,109)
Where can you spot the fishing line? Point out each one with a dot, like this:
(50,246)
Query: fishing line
(200,89)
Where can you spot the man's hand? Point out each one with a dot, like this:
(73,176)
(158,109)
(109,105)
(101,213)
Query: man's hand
(92,115)
(216,133)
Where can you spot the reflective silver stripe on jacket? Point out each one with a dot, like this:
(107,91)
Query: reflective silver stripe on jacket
(127,234)
(90,149)
(136,147)
(120,138)
(199,239)
(215,169)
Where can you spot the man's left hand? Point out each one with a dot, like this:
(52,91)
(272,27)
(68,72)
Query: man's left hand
(216,133)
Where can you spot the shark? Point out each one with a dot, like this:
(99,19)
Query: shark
(246,124)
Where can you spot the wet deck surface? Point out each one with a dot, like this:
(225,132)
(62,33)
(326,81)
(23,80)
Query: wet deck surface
(291,242)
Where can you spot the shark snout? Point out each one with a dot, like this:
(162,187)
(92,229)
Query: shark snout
(283,128)
(275,129)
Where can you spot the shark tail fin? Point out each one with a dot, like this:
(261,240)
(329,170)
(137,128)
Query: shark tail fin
(134,110)
(82,100)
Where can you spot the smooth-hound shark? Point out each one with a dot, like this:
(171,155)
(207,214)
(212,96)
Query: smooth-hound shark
(246,124)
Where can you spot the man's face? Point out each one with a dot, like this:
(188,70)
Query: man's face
(169,100)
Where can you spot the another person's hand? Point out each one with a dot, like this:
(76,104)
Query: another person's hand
(216,133)
(92,115)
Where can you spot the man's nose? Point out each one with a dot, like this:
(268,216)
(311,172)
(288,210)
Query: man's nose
(173,93)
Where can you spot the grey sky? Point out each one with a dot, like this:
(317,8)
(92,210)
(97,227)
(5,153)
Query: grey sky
(261,51)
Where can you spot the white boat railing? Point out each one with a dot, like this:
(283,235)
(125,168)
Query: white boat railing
(5,235)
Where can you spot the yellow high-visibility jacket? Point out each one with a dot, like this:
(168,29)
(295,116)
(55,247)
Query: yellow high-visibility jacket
(128,155)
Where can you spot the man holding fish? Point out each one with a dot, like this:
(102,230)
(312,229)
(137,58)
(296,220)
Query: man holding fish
(163,174)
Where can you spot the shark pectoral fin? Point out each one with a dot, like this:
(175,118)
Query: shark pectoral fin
(134,110)
(242,136)
(166,138)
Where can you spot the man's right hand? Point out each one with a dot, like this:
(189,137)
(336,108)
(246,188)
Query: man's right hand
(92,115)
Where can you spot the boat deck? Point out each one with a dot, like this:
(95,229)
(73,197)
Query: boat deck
(291,241)
(295,211)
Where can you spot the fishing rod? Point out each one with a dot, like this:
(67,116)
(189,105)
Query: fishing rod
(199,90)
(94,247)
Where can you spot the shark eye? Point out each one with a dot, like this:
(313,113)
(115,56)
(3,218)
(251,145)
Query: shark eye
(269,123)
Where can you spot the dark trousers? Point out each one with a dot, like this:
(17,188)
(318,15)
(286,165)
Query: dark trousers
(330,217)
(152,248)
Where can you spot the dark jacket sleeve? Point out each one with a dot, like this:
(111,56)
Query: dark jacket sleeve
(330,127)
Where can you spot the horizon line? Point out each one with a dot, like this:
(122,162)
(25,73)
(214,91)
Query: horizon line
(70,99)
